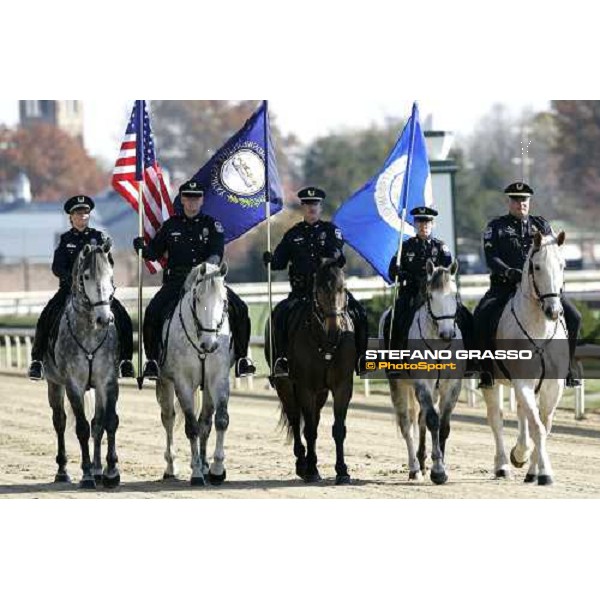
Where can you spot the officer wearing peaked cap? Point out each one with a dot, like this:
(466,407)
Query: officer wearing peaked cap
(506,243)
(302,247)
(71,242)
(188,240)
(412,276)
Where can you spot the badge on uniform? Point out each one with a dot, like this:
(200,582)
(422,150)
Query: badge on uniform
(322,235)
(297,240)
(205,233)
(218,227)
(434,251)
(338,233)
(445,249)
(511,230)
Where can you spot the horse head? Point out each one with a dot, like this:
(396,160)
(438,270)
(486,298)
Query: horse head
(206,283)
(544,276)
(442,298)
(330,297)
(93,285)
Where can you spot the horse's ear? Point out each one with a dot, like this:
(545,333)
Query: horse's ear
(454,268)
(202,269)
(429,266)
(223,269)
(537,240)
(107,245)
(86,249)
(560,240)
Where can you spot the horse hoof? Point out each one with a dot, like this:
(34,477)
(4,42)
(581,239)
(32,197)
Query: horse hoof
(111,482)
(98,478)
(197,482)
(529,478)
(439,478)
(167,476)
(217,479)
(301,470)
(342,479)
(545,480)
(415,476)
(513,459)
(87,484)
(312,477)
(502,474)
(62,478)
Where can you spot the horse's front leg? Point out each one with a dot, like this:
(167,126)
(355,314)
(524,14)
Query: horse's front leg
(449,393)
(342,394)
(56,398)
(401,397)
(185,394)
(496,421)
(98,433)
(432,420)
(165,394)
(308,401)
(82,430)
(205,421)
(111,476)
(217,472)
(521,451)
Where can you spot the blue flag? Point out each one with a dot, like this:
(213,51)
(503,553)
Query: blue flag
(234,178)
(370,218)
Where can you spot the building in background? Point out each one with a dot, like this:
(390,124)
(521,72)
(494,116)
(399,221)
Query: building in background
(64,114)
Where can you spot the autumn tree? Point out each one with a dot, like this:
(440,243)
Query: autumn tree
(56,164)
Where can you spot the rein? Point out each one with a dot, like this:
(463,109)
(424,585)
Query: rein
(320,316)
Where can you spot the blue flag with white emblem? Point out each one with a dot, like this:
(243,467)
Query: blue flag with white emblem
(235,179)
(370,218)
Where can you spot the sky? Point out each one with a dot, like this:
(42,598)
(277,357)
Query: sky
(306,116)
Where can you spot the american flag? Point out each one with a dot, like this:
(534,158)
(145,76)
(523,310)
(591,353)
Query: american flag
(130,169)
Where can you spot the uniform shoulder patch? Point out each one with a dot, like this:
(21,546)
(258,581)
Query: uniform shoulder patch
(219,227)
(338,233)
(487,234)
(445,248)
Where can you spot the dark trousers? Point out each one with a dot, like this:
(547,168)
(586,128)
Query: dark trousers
(165,300)
(53,310)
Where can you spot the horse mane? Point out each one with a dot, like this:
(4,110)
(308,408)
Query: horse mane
(89,261)
(328,271)
(211,275)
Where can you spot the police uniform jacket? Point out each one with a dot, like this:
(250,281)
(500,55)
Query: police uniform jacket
(415,253)
(506,243)
(69,246)
(303,246)
(186,242)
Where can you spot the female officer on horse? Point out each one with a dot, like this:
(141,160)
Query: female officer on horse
(71,242)
(188,240)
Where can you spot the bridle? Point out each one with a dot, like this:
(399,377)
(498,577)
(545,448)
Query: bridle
(541,297)
(86,301)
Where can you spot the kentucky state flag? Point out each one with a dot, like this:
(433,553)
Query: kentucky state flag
(235,180)
(370,218)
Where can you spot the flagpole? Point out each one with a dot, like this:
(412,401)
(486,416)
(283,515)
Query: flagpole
(268,214)
(139,176)
(411,144)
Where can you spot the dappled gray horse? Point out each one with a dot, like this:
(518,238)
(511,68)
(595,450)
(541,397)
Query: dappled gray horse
(427,403)
(86,355)
(196,354)
(534,315)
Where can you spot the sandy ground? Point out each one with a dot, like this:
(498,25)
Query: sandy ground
(260,464)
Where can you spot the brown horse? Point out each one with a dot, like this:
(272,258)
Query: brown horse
(322,355)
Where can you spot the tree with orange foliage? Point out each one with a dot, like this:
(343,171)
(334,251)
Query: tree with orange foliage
(56,164)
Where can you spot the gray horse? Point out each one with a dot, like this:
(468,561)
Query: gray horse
(85,356)
(197,353)
(427,403)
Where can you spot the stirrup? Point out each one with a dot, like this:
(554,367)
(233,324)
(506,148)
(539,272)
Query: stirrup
(126,369)
(36,370)
(572,382)
(486,380)
(244,367)
(151,370)
(281,367)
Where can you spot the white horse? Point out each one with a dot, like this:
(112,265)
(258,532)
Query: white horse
(86,355)
(428,403)
(534,315)
(197,354)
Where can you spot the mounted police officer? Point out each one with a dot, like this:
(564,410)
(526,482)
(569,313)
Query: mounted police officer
(78,208)
(303,246)
(189,240)
(506,243)
(412,276)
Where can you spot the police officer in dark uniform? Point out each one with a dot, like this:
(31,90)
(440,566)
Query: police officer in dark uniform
(506,243)
(303,246)
(412,276)
(78,208)
(188,240)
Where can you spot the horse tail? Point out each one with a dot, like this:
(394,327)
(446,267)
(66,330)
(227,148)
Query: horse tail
(179,417)
(89,409)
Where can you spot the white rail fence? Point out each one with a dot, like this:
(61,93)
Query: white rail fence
(15,352)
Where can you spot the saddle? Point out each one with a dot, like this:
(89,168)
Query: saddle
(54,328)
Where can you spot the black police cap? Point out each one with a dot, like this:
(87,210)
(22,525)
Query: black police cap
(191,188)
(311,195)
(424,213)
(519,190)
(76,202)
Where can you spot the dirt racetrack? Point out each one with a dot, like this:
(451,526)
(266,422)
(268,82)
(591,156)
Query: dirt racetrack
(260,463)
